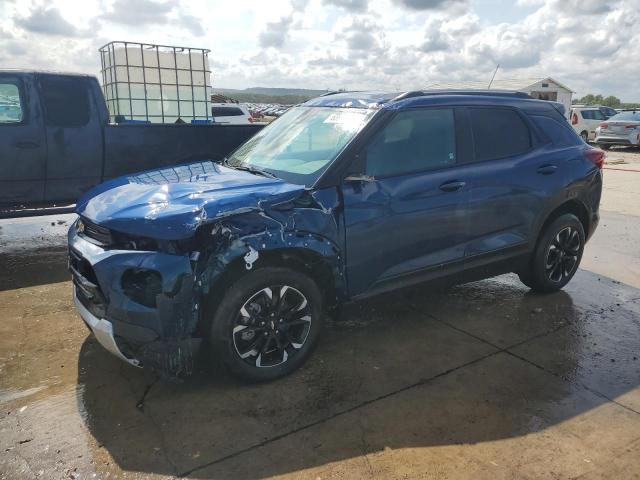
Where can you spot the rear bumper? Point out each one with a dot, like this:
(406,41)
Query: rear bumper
(612,139)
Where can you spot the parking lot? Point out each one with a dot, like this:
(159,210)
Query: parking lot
(483,380)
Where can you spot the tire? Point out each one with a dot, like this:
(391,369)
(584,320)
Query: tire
(584,136)
(267,324)
(557,255)
(604,146)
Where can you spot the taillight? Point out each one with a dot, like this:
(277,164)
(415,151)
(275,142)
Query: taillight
(574,119)
(595,156)
(604,125)
(630,126)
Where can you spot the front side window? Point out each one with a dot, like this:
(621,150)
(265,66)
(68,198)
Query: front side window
(66,101)
(498,133)
(302,143)
(11,108)
(413,141)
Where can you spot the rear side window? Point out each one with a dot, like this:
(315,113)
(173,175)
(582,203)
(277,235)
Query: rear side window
(413,141)
(560,134)
(592,115)
(226,112)
(11,109)
(633,116)
(498,133)
(66,101)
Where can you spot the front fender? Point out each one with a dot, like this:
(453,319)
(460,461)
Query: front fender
(310,225)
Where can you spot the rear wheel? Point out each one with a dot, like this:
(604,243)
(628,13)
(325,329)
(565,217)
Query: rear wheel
(585,136)
(557,255)
(267,324)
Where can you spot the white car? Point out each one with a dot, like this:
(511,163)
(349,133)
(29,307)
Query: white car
(585,120)
(231,113)
(621,129)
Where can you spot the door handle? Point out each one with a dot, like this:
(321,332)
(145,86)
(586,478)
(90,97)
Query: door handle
(359,178)
(453,186)
(26,144)
(547,169)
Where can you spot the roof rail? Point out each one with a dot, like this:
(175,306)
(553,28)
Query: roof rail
(410,94)
(489,93)
(333,92)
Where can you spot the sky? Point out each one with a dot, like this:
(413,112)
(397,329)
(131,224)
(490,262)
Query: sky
(591,46)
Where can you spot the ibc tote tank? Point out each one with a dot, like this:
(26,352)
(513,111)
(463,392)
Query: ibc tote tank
(156,83)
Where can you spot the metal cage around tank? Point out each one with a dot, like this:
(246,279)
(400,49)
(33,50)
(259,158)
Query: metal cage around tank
(145,82)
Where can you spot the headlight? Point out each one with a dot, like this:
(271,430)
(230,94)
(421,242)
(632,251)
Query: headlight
(142,285)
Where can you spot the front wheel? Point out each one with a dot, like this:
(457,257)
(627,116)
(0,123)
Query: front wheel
(267,324)
(557,255)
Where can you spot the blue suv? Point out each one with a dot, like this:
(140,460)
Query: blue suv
(343,197)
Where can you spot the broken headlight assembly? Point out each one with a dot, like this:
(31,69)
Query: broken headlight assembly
(142,285)
(124,241)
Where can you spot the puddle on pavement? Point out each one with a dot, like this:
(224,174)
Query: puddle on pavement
(19,234)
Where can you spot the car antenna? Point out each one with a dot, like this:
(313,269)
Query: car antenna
(494,76)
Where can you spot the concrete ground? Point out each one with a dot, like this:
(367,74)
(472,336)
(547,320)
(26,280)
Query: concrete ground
(484,380)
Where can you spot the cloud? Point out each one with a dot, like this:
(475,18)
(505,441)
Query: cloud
(190,23)
(299,5)
(378,44)
(349,5)
(434,39)
(584,7)
(361,34)
(429,4)
(275,33)
(139,12)
(330,61)
(49,21)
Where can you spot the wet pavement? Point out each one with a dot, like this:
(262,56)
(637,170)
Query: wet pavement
(484,380)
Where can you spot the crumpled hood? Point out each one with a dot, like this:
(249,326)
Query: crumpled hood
(170,203)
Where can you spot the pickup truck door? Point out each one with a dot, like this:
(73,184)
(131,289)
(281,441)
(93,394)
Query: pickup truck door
(22,146)
(74,133)
(408,214)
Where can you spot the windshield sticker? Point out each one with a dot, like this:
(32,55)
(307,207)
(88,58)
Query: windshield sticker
(344,117)
(347,121)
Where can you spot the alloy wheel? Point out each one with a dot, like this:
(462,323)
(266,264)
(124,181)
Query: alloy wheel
(562,254)
(272,326)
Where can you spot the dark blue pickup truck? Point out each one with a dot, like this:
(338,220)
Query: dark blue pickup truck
(56,141)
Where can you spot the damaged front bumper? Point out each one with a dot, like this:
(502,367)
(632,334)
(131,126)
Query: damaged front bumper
(140,305)
(103,331)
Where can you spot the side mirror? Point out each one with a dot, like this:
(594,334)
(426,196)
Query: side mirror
(358,165)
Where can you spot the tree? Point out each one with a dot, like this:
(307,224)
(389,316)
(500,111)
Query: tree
(611,101)
(591,99)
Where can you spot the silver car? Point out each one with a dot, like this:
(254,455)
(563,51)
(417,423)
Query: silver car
(621,129)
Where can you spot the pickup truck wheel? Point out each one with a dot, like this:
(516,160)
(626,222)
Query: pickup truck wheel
(557,255)
(585,136)
(267,324)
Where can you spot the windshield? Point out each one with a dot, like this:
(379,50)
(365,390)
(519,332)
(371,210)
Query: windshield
(301,144)
(633,116)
